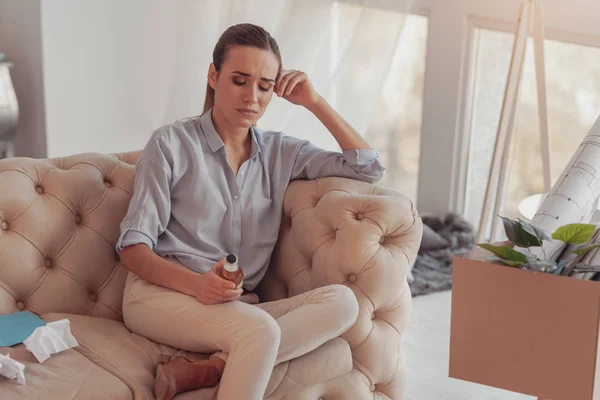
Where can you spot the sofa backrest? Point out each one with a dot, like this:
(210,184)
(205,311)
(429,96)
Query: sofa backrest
(59,223)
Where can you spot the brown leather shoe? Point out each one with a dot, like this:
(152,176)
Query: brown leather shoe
(180,375)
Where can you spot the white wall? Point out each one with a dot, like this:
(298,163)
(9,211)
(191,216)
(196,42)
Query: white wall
(21,40)
(116,70)
(101,75)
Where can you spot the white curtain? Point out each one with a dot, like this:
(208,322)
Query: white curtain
(345,47)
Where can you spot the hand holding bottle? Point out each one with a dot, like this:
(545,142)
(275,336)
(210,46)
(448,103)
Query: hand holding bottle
(213,289)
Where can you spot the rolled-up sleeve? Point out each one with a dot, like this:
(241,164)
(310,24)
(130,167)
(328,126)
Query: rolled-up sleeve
(150,206)
(312,162)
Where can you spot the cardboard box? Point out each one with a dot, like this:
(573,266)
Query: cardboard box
(524,331)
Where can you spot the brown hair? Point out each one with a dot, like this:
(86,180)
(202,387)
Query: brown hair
(239,35)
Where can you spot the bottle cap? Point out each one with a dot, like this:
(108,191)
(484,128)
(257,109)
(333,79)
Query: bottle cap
(231,262)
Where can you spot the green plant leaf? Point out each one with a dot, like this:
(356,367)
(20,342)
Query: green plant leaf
(529,255)
(585,249)
(506,262)
(511,263)
(575,233)
(506,253)
(521,233)
(534,230)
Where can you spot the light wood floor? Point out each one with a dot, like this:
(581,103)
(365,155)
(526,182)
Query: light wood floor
(426,344)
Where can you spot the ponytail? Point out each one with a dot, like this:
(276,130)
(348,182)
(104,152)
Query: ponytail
(209,100)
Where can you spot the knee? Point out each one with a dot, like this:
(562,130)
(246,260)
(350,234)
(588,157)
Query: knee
(347,304)
(262,327)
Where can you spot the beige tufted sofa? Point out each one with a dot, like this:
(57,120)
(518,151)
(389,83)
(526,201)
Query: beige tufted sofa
(59,221)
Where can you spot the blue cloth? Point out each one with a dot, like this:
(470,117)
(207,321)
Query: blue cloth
(189,204)
(16,327)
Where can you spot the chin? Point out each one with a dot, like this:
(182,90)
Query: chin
(245,121)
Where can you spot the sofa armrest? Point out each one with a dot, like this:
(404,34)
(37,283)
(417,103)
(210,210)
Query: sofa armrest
(341,231)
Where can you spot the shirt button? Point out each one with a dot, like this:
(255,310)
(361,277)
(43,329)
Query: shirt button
(236,197)
(242,172)
(236,224)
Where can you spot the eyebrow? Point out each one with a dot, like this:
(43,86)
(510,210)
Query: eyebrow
(248,76)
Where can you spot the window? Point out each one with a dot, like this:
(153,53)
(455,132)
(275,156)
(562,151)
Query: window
(395,128)
(573,97)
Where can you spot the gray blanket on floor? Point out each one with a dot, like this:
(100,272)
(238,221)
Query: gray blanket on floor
(443,237)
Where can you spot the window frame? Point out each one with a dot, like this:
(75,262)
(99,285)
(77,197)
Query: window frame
(449,79)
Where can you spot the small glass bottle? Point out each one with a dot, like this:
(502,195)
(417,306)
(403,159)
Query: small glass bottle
(232,271)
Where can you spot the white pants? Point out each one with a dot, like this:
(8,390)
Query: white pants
(252,338)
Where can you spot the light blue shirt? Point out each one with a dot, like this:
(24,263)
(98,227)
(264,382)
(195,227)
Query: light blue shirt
(188,203)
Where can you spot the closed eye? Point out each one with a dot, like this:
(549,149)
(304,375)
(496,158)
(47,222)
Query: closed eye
(238,83)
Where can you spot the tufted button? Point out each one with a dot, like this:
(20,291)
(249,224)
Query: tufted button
(48,263)
(4,225)
(107,183)
(77,219)
(93,297)
(352,278)
(359,216)
(20,305)
(39,189)
(382,240)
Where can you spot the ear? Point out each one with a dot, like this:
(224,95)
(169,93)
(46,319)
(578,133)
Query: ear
(212,76)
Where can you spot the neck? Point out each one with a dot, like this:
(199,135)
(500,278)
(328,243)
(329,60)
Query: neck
(234,137)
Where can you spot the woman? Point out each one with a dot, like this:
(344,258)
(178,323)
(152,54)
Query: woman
(212,185)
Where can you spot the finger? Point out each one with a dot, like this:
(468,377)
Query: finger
(233,294)
(225,284)
(299,77)
(217,295)
(227,295)
(216,269)
(209,299)
(280,76)
(216,282)
(284,81)
(218,265)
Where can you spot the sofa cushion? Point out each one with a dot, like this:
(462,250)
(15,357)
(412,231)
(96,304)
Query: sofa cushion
(66,375)
(133,358)
(110,345)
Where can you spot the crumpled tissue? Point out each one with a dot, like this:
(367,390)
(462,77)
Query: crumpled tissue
(51,338)
(12,369)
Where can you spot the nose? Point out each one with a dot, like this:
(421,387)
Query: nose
(251,96)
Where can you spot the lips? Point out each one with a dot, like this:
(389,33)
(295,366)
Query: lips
(247,112)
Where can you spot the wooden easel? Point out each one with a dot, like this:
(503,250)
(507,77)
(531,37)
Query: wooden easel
(530,17)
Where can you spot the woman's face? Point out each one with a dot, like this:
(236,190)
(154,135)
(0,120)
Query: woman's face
(244,86)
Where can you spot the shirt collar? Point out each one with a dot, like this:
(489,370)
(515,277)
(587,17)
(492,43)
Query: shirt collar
(255,147)
(212,137)
(214,140)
